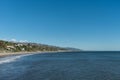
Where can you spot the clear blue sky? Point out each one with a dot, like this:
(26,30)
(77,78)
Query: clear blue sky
(84,24)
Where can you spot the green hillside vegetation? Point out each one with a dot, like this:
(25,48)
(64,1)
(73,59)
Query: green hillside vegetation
(6,46)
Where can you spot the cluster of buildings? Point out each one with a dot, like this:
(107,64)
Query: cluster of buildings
(14,47)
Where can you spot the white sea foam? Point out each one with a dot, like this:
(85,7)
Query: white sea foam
(12,58)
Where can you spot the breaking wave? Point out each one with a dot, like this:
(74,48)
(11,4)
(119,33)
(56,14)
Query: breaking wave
(12,58)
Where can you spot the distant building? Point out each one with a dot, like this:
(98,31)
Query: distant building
(19,45)
(10,47)
(23,49)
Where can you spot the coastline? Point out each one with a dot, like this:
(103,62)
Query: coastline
(5,54)
(14,53)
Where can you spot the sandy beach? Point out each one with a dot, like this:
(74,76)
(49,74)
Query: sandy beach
(16,53)
(21,53)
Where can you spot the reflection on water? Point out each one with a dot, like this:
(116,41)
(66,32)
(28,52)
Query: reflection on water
(64,66)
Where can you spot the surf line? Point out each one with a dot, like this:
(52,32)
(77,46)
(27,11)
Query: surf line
(12,58)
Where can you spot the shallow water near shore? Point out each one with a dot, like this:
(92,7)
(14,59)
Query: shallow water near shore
(62,66)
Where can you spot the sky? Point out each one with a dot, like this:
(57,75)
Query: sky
(84,24)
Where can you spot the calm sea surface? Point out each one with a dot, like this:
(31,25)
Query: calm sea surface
(62,66)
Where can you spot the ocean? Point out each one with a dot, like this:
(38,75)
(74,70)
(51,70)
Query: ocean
(62,66)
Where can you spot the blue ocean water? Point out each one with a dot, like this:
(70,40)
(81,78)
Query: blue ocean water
(62,66)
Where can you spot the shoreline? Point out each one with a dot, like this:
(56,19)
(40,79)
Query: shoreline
(14,53)
(5,54)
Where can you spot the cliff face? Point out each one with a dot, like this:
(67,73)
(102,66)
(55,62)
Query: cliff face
(6,46)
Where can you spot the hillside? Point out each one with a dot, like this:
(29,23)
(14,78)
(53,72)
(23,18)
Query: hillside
(6,46)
